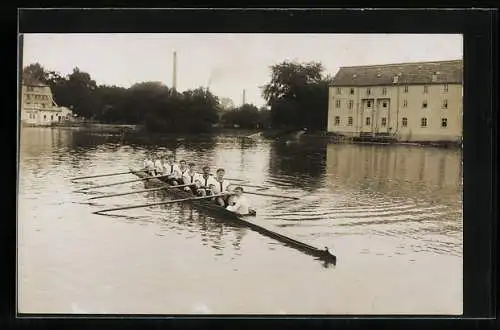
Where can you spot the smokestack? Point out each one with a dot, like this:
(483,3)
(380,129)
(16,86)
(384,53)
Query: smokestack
(244,98)
(174,73)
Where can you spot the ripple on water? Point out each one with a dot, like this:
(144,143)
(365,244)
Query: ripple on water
(369,209)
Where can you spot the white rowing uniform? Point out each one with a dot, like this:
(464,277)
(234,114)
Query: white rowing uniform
(240,205)
(206,182)
(221,186)
(148,165)
(191,177)
(182,172)
(158,166)
(172,170)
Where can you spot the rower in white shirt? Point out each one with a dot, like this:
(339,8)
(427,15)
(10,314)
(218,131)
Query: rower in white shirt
(207,182)
(240,204)
(183,168)
(192,177)
(158,165)
(221,186)
(149,165)
(171,169)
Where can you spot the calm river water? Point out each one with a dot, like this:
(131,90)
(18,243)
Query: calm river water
(391,214)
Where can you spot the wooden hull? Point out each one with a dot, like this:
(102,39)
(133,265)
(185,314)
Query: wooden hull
(247,221)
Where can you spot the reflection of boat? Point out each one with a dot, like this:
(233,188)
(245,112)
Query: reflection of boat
(243,220)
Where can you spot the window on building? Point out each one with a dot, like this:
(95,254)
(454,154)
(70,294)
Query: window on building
(349,121)
(44,117)
(352,91)
(424,104)
(339,90)
(30,88)
(444,122)
(368,91)
(423,122)
(367,121)
(51,117)
(445,88)
(406,89)
(404,122)
(445,104)
(350,104)
(369,104)
(337,103)
(426,89)
(337,120)
(384,91)
(384,104)
(384,121)
(405,103)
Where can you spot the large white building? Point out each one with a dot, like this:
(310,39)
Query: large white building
(38,107)
(406,101)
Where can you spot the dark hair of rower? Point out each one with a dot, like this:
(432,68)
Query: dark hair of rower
(220,170)
(182,161)
(191,164)
(206,168)
(239,188)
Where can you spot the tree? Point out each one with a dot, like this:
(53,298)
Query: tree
(297,95)
(34,74)
(159,107)
(81,94)
(246,116)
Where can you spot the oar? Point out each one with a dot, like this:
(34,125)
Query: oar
(121,182)
(270,195)
(250,186)
(159,203)
(140,191)
(99,175)
(229,179)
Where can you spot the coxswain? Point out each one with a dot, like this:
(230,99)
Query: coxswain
(221,186)
(207,182)
(240,204)
(172,171)
(193,178)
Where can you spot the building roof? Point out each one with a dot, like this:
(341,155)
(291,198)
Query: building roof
(408,73)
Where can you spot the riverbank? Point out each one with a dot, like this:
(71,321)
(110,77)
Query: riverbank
(272,134)
(337,138)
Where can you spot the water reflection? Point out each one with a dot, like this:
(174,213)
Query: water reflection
(298,164)
(388,206)
(419,173)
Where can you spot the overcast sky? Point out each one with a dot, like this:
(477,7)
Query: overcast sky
(229,63)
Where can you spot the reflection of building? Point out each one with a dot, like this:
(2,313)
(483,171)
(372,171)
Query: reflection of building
(38,106)
(408,101)
(403,170)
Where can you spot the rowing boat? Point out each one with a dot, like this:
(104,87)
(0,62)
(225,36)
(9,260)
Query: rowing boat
(246,220)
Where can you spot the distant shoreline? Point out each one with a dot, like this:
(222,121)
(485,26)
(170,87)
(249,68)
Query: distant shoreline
(318,136)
